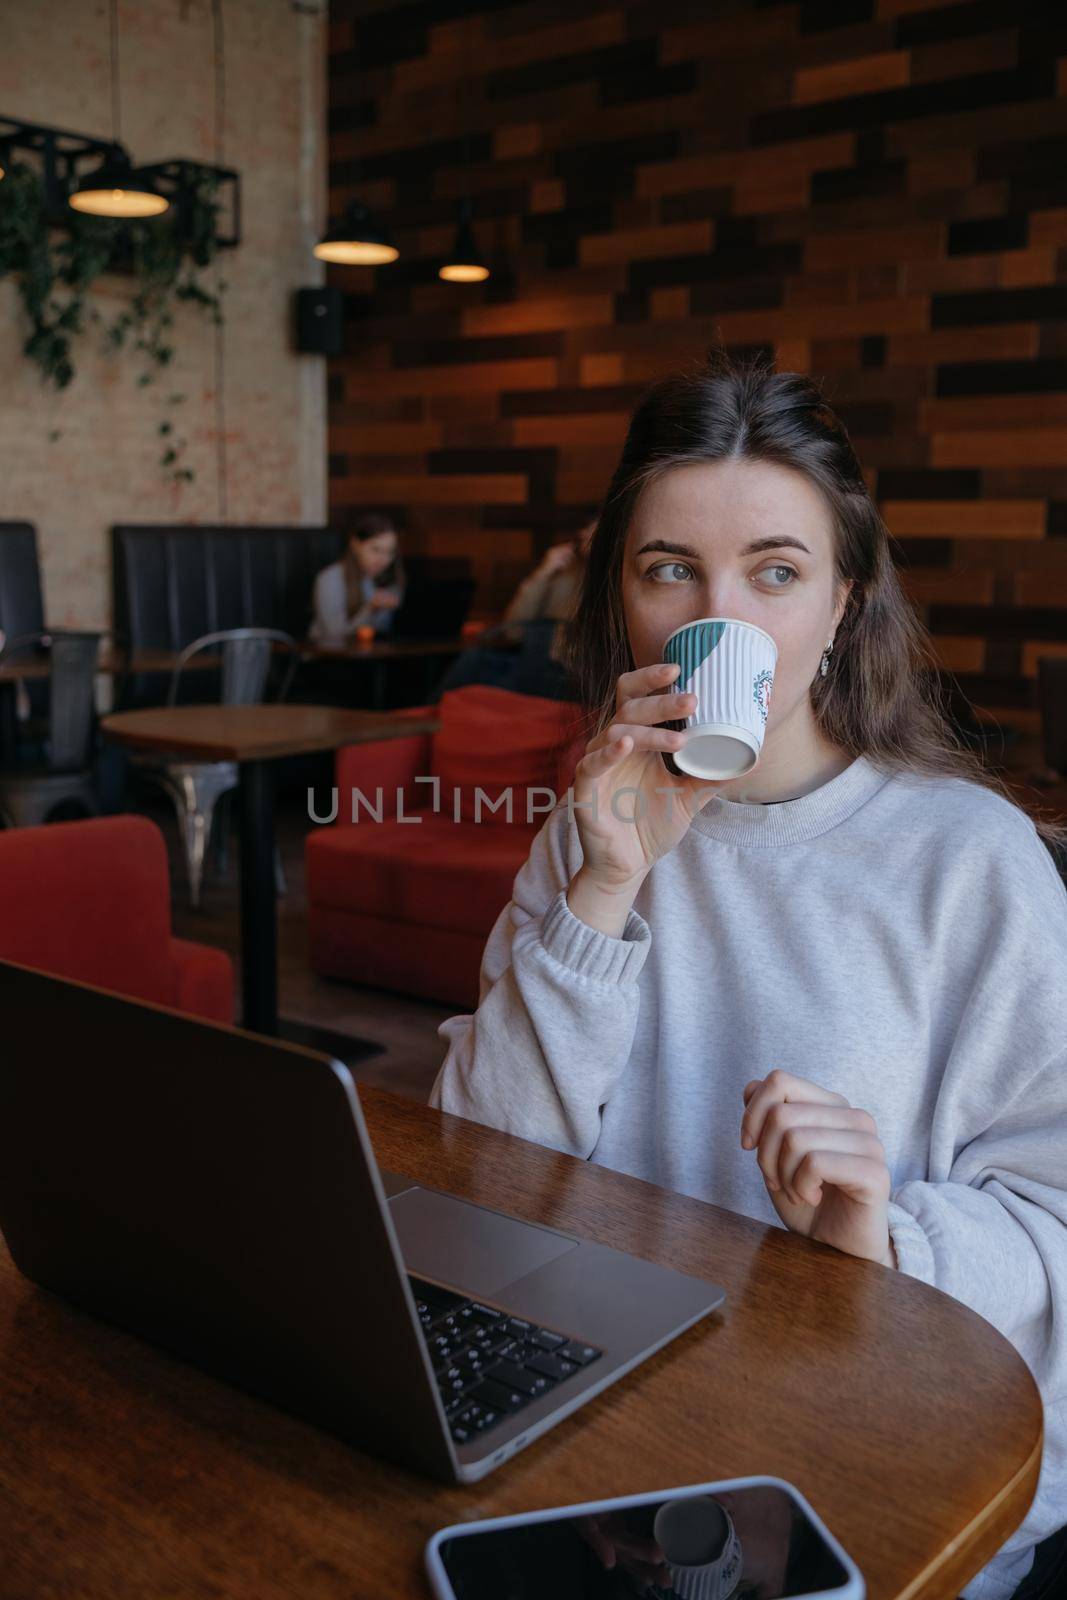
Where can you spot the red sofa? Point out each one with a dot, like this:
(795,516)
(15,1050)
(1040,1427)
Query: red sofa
(91,901)
(408,905)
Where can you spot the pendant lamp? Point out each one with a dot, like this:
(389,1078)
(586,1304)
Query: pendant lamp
(464,263)
(355,239)
(116,188)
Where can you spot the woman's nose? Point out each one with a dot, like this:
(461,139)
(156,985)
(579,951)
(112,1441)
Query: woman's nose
(718,597)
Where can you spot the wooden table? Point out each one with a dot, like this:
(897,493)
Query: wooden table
(381,651)
(34,666)
(910,1424)
(377,653)
(110,663)
(253,737)
(30,665)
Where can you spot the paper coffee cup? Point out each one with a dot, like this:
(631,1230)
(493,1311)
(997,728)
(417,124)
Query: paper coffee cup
(729,666)
(703,1552)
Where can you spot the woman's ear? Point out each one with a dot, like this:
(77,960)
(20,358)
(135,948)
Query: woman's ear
(842,604)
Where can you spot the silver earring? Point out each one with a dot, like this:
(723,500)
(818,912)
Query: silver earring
(824,664)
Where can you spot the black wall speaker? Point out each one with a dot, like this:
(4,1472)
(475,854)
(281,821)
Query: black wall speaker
(320,321)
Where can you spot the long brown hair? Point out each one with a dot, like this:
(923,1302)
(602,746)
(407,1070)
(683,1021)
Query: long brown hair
(367,526)
(882,696)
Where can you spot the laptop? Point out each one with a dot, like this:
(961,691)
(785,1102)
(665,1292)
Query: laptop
(215,1191)
(432,609)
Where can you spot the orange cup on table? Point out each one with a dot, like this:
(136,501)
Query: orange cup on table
(365,635)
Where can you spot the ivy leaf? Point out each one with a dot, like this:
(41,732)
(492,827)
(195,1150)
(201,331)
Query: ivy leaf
(56,269)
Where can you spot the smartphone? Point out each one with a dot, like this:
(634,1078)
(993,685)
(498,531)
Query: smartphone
(739,1539)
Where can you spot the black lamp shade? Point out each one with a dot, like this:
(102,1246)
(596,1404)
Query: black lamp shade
(464,263)
(355,239)
(115,189)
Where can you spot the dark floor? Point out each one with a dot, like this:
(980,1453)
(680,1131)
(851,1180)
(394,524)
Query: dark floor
(406,1027)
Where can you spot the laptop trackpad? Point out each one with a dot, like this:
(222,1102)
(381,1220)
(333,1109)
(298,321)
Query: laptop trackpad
(465,1245)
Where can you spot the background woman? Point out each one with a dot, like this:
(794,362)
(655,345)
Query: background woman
(830,994)
(365,587)
(524,651)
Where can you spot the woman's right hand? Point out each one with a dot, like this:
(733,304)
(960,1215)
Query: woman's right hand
(557,558)
(619,849)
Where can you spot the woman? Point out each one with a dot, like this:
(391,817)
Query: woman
(523,651)
(551,590)
(365,587)
(830,994)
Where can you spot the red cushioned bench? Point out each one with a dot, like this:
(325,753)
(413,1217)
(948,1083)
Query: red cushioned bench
(90,901)
(406,905)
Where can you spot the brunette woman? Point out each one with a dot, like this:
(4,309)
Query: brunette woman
(365,587)
(831,994)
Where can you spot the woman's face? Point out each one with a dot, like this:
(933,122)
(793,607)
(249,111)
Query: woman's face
(690,552)
(374,554)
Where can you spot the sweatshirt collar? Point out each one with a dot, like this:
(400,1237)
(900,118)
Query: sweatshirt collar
(792,821)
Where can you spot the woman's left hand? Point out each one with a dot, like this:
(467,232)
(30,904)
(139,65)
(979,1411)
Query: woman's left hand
(822,1162)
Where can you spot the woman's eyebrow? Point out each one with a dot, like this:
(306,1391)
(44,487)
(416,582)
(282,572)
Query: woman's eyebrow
(786,542)
(668,549)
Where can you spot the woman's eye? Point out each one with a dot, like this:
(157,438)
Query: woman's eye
(787,583)
(671,572)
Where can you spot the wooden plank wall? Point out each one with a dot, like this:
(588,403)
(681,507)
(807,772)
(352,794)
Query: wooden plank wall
(876,190)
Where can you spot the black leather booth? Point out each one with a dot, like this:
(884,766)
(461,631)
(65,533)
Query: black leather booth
(21,611)
(173,583)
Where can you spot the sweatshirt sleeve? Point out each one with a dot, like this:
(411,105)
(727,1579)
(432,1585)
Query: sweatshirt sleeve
(331,606)
(993,1232)
(557,1009)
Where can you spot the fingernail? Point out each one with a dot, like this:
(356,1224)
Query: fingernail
(773,1184)
(746,1141)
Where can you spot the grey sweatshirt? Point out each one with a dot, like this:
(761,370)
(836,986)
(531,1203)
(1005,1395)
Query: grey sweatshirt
(899,939)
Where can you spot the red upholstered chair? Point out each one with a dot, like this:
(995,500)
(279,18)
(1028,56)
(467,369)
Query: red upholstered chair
(408,905)
(91,901)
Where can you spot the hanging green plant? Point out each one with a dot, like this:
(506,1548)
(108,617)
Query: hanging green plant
(55,270)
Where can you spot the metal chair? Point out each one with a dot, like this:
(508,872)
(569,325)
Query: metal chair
(62,774)
(196,787)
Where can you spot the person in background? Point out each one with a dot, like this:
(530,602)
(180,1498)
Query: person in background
(365,587)
(551,590)
(507,655)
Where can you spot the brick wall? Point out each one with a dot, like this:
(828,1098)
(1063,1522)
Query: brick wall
(876,190)
(104,465)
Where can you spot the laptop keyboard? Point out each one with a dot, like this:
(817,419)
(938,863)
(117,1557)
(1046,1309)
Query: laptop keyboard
(490,1364)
